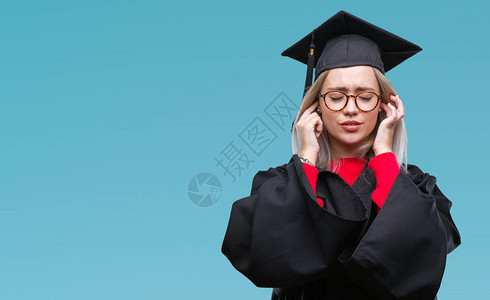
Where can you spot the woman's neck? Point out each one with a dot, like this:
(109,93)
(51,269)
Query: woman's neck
(346,152)
(342,150)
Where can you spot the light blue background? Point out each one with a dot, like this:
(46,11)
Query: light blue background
(109,108)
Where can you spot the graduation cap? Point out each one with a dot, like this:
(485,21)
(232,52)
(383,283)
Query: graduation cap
(345,40)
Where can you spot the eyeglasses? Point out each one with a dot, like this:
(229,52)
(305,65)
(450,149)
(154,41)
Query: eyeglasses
(337,100)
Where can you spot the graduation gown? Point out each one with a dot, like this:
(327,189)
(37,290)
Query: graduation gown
(280,236)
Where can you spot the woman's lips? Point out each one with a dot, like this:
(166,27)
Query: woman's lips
(351,127)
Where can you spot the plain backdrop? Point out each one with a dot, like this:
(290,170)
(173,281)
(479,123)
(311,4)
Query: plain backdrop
(109,109)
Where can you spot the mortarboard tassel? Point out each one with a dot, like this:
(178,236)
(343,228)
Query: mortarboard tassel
(311,63)
(309,69)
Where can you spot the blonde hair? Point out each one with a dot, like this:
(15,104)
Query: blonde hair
(326,155)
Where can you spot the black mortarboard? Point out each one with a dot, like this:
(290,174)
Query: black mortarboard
(345,40)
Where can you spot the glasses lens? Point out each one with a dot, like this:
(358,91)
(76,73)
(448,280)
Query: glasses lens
(367,101)
(335,100)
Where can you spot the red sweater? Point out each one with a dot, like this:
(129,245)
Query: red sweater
(384,166)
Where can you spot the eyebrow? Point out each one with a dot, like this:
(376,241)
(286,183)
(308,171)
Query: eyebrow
(341,88)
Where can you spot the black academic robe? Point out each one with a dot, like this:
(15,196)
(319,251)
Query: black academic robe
(280,236)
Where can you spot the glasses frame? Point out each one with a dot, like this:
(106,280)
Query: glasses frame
(379,97)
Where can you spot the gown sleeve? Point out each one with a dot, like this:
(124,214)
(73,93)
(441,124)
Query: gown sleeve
(280,237)
(403,253)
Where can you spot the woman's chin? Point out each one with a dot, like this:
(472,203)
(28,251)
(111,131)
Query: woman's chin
(352,140)
(349,139)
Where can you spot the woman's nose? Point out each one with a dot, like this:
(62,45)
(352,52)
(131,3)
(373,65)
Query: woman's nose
(351,107)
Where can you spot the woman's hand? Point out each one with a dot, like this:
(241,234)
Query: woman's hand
(309,127)
(384,137)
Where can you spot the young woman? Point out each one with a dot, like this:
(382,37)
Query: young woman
(345,218)
(356,129)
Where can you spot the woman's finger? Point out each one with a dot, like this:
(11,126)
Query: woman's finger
(398,109)
(308,111)
(306,119)
(393,109)
(394,114)
(388,110)
(390,115)
(401,113)
(318,128)
(315,121)
(311,122)
(312,107)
